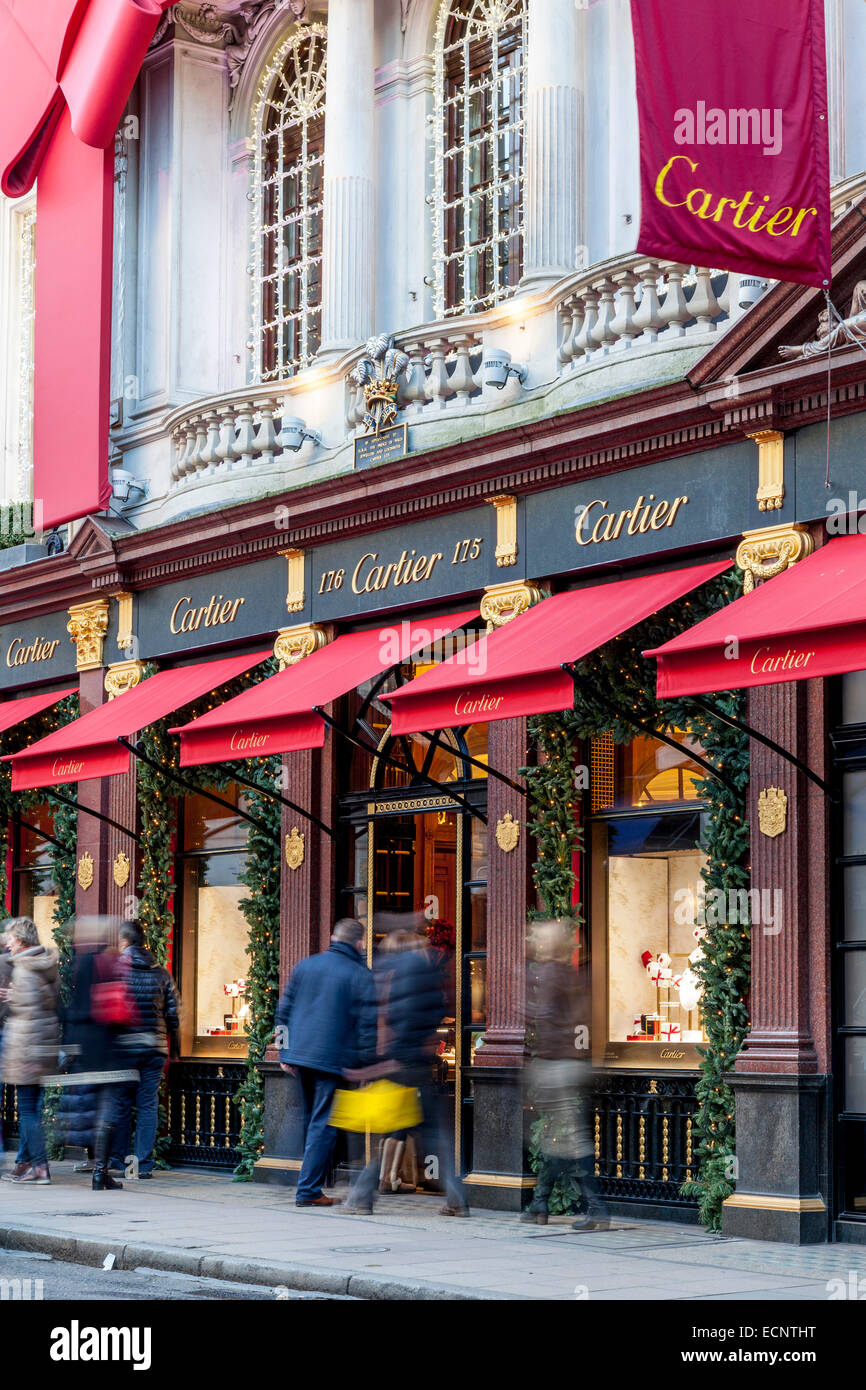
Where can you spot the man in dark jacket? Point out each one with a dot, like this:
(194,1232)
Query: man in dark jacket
(326,1023)
(154,1036)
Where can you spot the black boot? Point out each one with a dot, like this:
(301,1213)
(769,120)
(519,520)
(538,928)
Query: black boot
(104,1182)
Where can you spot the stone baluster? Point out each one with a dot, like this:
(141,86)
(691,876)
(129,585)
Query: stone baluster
(438,384)
(462,380)
(675,312)
(585,343)
(266,439)
(648,316)
(566,324)
(622,325)
(415,393)
(201,436)
(226,447)
(703,303)
(179,441)
(191,432)
(245,441)
(601,333)
(208,455)
(578,318)
(728,296)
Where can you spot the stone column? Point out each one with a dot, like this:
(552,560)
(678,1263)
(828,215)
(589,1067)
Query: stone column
(552,189)
(508,887)
(349,205)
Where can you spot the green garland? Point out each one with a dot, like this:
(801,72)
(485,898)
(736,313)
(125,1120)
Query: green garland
(619,674)
(157,797)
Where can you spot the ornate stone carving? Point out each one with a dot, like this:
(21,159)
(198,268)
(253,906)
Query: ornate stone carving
(120,869)
(377,375)
(85,870)
(295,848)
(87,626)
(772,811)
(123,676)
(502,602)
(296,593)
(765,553)
(294,643)
(845,332)
(125,633)
(507,833)
(506,530)
(771,469)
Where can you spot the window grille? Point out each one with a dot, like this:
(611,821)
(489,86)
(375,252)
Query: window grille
(288,145)
(479,153)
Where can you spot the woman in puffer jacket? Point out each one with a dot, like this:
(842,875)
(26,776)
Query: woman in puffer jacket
(31,1039)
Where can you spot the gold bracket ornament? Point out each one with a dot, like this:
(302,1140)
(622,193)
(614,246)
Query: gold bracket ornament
(120,869)
(125,634)
(507,833)
(123,676)
(87,626)
(506,530)
(771,469)
(772,812)
(502,602)
(764,554)
(296,595)
(295,848)
(85,870)
(294,643)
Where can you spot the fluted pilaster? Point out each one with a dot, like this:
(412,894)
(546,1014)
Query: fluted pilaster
(552,187)
(348,262)
(508,885)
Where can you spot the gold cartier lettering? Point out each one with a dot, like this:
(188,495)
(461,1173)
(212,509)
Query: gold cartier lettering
(239,742)
(594,527)
(39,650)
(215,613)
(369,576)
(481,704)
(764,663)
(60,770)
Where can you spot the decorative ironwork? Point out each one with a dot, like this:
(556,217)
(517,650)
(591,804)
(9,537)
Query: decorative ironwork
(478,161)
(643,1136)
(204,1122)
(378,375)
(288,146)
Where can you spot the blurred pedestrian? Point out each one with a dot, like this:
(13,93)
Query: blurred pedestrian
(414,1007)
(326,1022)
(5,978)
(97,1020)
(559,1077)
(148,1046)
(31,1040)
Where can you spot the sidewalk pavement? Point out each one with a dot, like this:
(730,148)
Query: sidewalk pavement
(205,1224)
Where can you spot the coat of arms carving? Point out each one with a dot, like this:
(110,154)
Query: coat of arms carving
(507,832)
(772,811)
(85,870)
(295,848)
(377,375)
(120,869)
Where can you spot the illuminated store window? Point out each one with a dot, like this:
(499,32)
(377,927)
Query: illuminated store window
(289,150)
(34,890)
(214,962)
(646,895)
(479,160)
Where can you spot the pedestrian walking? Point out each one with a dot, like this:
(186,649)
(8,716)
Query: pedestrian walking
(31,1040)
(155,1037)
(5,978)
(97,1022)
(559,1077)
(414,1006)
(326,1023)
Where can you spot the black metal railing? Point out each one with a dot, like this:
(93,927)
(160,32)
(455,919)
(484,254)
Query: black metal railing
(204,1124)
(644,1141)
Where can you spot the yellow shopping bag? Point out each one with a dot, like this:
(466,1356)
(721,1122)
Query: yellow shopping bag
(383,1107)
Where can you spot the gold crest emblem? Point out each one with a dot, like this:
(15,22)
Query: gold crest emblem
(507,833)
(121,869)
(772,811)
(85,870)
(295,848)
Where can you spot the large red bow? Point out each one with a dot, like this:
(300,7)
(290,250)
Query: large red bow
(69,67)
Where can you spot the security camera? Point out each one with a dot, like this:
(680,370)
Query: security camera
(295,432)
(496,368)
(750,290)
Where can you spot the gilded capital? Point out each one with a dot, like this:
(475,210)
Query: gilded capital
(294,643)
(502,602)
(123,676)
(87,626)
(764,554)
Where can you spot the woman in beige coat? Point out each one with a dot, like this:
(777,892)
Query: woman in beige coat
(31,1039)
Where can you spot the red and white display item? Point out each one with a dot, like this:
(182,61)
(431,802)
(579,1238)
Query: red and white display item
(671,1032)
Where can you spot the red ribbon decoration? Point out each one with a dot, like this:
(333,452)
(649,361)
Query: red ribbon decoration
(69,68)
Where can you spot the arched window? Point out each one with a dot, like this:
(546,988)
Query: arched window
(478,126)
(289,148)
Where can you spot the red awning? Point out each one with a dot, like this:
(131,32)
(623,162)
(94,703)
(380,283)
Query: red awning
(279,716)
(88,746)
(14,712)
(517,670)
(808,621)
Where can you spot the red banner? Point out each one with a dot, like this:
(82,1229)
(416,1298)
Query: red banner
(734,158)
